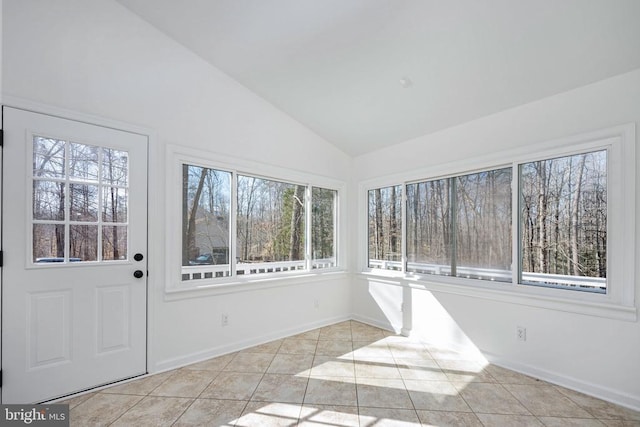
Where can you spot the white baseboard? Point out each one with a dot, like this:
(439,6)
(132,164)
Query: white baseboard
(375,322)
(594,390)
(179,362)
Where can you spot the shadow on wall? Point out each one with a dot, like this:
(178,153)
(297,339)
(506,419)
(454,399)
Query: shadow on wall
(415,313)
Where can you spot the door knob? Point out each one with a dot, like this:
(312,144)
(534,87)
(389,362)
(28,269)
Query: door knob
(138,274)
(138,257)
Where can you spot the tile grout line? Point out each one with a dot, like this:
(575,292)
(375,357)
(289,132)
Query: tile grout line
(266,371)
(142,398)
(355,376)
(306,388)
(197,397)
(193,399)
(395,361)
(586,408)
(520,402)
(125,412)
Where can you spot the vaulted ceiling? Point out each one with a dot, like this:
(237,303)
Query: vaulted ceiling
(365,74)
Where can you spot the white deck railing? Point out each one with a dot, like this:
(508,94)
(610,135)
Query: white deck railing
(209,271)
(594,284)
(597,284)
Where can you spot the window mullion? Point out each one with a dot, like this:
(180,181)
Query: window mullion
(452,225)
(307,228)
(233,224)
(403,229)
(336,224)
(67,202)
(516,217)
(100,255)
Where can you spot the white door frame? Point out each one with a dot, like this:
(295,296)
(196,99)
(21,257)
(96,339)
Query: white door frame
(154,203)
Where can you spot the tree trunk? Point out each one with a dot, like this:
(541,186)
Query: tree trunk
(379,224)
(296,224)
(114,214)
(542,216)
(444,204)
(557,264)
(191,223)
(393,224)
(417,223)
(247,224)
(575,217)
(60,227)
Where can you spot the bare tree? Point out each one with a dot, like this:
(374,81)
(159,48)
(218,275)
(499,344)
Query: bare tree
(189,212)
(569,215)
(380,253)
(295,244)
(576,270)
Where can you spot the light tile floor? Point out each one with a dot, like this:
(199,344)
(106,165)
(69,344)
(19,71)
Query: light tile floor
(347,374)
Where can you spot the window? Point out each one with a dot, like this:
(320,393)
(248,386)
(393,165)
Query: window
(483,225)
(206,210)
(270,231)
(461,226)
(563,222)
(385,228)
(553,221)
(237,225)
(79,202)
(323,230)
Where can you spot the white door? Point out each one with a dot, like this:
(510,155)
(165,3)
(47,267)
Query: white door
(74,240)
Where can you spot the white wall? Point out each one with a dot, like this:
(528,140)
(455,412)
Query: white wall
(595,354)
(97,58)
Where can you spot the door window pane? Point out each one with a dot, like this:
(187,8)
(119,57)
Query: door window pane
(83,162)
(48,200)
(48,157)
(114,242)
(83,242)
(323,211)
(48,243)
(84,202)
(563,226)
(114,204)
(385,228)
(206,208)
(115,167)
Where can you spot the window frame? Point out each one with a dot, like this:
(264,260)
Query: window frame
(309,228)
(232,219)
(69,261)
(454,262)
(517,202)
(177,156)
(403,209)
(617,302)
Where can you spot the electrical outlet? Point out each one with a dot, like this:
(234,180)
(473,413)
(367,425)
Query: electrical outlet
(225,319)
(521,333)
(316,304)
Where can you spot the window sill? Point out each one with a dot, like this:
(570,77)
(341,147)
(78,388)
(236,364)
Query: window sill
(255,282)
(532,296)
